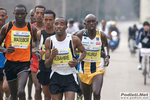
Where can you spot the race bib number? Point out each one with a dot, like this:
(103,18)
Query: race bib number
(93,54)
(20,39)
(63,57)
(145,40)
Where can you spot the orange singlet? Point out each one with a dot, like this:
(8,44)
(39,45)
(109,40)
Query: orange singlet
(20,38)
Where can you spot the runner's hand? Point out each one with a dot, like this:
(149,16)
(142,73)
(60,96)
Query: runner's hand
(54,52)
(10,49)
(73,63)
(38,56)
(106,63)
(42,52)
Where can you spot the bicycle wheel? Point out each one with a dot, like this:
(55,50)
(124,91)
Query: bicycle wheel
(145,70)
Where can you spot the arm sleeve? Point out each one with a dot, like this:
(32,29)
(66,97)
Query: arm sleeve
(138,37)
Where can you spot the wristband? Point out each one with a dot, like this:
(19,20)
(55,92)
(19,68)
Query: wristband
(108,56)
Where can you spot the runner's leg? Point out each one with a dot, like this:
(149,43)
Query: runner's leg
(86,90)
(69,95)
(37,86)
(57,96)
(46,91)
(6,88)
(97,85)
(30,82)
(1,92)
(13,89)
(22,80)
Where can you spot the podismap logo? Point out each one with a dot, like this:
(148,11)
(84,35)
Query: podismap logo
(134,96)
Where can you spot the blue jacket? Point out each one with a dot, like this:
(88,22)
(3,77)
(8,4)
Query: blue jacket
(141,35)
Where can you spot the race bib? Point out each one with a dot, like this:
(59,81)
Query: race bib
(93,54)
(145,40)
(63,57)
(2,46)
(20,39)
(43,48)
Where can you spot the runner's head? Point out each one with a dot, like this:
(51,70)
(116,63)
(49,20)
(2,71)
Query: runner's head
(32,18)
(103,22)
(3,16)
(60,26)
(90,22)
(39,10)
(49,17)
(20,12)
(146,26)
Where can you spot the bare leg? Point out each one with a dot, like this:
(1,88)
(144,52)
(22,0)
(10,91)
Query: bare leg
(30,82)
(97,85)
(6,88)
(69,95)
(46,91)
(13,89)
(1,92)
(57,96)
(86,90)
(22,80)
(38,89)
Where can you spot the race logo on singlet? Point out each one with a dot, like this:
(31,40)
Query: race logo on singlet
(63,57)
(93,53)
(20,39)
(43,48)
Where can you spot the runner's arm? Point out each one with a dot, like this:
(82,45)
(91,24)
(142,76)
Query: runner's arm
(35,39)
(10,49)
(49,56)
(36,43)
(78,44)
(105,45)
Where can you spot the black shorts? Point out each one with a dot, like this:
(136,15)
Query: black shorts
(12,69)
(63,83)
(1,74)
(43,77)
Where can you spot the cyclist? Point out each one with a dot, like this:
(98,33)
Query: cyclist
(132,33)
(144,38)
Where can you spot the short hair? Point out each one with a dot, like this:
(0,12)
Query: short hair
(21,5)
(146,23)
(32,10)
(1,8)
(49,12)
(71,20)
(64,19)
(39,6)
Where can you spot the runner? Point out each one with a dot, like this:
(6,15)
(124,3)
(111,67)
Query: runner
(92,67)
(3,17)
(18,35)
(44,73)
(105,29)
(32,18)
(39,10)
(60,54)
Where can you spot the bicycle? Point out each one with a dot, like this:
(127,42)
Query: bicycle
(145,52)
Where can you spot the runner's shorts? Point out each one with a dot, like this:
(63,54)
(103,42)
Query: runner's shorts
(63,83)
(1,74)
(43,77)
(12,69)
(87,78)
(34,65)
